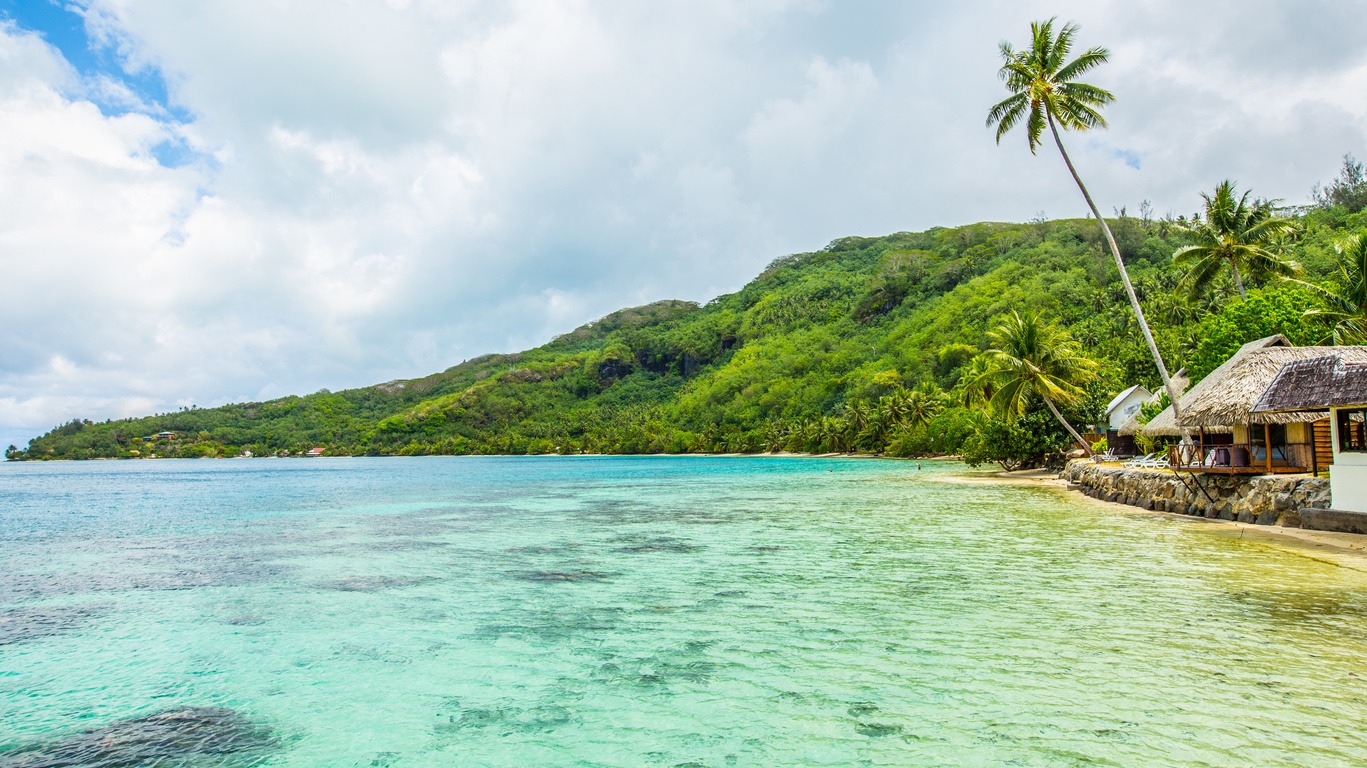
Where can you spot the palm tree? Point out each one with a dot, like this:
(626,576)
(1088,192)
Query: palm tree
(856,417)
(894,407)
(975,385)
(1347,301)
(1029,358)
(1243,235)
(923,404)
(1045,94)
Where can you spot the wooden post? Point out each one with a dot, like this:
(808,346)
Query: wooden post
(1267,445)
(1314,457)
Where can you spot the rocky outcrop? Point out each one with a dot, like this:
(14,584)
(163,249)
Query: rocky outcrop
(1260,499)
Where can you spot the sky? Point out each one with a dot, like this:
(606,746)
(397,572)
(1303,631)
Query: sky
(214,202)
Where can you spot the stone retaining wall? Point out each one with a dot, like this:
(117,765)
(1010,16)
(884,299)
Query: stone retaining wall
(1261,499)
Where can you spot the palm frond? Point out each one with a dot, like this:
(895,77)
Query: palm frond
(1091,59)
(1034,127)
(1076,116)
(1336,302)
(1007,113)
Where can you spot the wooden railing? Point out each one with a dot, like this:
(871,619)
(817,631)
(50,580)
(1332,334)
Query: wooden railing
(1243,458)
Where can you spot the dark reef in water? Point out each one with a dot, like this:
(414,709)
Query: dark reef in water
(157,575)
(35,622)
(372,583)
(165,738)
(640,545)
(563,576)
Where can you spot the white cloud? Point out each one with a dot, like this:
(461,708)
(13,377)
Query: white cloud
(807,130)
(381,189)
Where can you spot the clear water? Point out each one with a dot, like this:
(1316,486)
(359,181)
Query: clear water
(660,611)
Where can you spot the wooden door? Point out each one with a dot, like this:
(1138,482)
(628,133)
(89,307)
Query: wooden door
(1324,443)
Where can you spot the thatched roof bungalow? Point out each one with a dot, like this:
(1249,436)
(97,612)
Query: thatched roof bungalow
(1334,388)
(1223,402)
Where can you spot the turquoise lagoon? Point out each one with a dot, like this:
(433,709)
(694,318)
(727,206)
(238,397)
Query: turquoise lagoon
(664,611)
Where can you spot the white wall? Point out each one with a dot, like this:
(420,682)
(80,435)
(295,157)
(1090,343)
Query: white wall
(1348,477)
(1127,408)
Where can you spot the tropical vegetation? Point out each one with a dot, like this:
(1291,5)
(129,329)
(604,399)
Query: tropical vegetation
(1029,359)
(1246,236)
(1344,297)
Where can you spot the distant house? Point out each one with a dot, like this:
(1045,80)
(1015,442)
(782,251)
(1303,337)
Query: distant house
(1335,387)
(1121,412)
(315,452)
(166,436)
(1126,405)
(1123,409)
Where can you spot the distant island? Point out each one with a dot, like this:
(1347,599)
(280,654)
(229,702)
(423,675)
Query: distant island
(870,344)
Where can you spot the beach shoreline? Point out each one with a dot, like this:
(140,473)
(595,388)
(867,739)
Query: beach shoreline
(1346,550)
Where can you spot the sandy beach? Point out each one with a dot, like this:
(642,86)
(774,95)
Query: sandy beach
(1347,550)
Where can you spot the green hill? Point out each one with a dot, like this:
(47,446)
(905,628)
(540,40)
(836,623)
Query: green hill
(810,355)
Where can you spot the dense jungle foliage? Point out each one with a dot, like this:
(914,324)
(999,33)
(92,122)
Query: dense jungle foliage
(863,346)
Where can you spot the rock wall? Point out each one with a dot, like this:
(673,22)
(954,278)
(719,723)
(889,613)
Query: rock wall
(1261,499)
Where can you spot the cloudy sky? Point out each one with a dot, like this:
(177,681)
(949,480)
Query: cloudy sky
(221,201)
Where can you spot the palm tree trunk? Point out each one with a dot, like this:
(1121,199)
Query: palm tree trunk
(1238,281)
(1054,409)
(1173,394)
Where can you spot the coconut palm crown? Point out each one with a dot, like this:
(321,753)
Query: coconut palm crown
(1043,88)
(1239,234)
(1030,358)
(1045,93)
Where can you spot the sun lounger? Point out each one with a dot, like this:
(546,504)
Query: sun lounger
(1156,461)
(1137,463)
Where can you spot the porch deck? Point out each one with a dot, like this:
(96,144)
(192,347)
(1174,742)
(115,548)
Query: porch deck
(1244,459)
(1273,470)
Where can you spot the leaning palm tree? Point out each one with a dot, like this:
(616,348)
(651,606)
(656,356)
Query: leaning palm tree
(1346,302)
(1236,233)
(1029,358)
(1045,94)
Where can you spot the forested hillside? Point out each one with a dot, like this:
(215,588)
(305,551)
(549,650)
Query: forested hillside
(860,346)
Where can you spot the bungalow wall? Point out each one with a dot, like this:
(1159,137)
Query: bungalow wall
(1348,479)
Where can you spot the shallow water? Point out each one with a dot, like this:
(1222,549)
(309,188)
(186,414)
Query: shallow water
(653,611)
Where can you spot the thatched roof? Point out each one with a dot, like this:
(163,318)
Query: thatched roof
(1225,398)
(1131,426)
(1315,385)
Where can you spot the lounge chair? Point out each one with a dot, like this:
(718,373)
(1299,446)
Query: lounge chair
(1137,463)
(1156,461)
